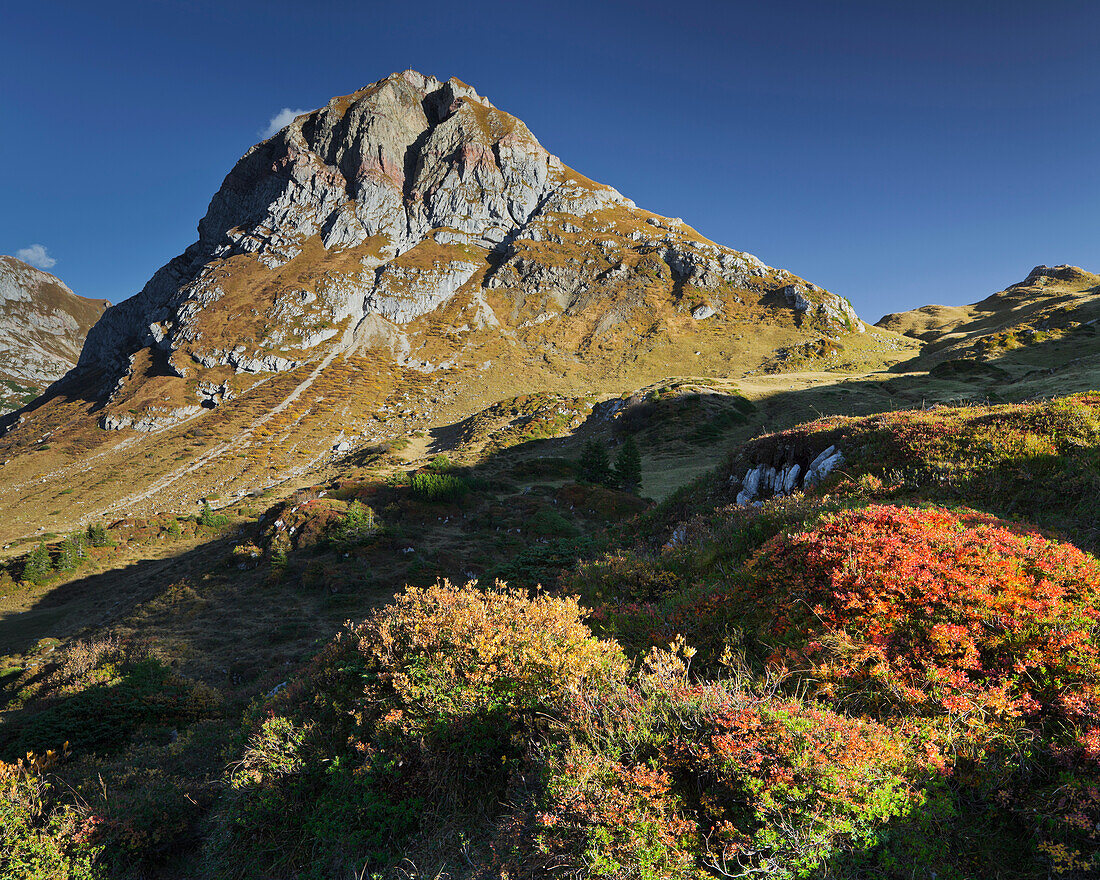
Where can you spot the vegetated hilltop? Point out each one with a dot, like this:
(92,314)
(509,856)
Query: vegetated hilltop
(42,329)
(403,257)
(1040,334)
(894,673)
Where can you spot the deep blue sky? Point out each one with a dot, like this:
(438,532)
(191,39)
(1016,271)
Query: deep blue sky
(896,153)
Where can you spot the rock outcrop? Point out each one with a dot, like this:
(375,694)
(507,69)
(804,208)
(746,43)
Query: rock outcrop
(764,481)
(42,328)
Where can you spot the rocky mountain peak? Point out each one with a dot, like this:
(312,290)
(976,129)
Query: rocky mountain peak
(1053,273)
(414,222)
(401,258)
(42,328)
(382,170)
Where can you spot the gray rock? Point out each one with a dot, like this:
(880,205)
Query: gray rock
(42,328)
(152,420)
(790,478)
(750,486)
(833,311)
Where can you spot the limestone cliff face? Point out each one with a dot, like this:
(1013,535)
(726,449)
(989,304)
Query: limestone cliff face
(42,328)
(388,204)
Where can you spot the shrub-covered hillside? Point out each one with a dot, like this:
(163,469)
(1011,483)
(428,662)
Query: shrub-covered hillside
(894,675)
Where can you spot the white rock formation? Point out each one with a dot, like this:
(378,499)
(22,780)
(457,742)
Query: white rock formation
(766,481)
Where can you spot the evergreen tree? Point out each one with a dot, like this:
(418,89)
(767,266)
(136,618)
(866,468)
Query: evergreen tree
(595,464)
(208,518)
(71,553)
(38,567)
(97,536)
(628,465)
(357,527)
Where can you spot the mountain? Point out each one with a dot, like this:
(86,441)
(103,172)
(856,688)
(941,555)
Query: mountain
(1040,333)
(411,346)
(42,329)
(401,258)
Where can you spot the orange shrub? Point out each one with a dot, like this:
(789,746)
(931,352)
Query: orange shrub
(936,611)
(786,785)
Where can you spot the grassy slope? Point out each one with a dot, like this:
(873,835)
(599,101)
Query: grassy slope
(233,610)
(523,521)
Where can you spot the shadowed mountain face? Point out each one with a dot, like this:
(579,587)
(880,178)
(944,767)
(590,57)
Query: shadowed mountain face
(42,328)
(404,256)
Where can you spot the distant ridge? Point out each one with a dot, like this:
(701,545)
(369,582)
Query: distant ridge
(42,328)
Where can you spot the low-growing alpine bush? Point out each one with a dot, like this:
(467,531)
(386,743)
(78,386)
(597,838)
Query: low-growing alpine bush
(502,714)
(424,709)
(94,696)
(40,835)
(936,612)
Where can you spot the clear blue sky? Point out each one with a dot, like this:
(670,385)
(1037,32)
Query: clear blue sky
(897,153)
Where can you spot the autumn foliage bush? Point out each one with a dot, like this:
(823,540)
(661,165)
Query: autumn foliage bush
(928,610)
(502,714)
(423,709)
(40,835)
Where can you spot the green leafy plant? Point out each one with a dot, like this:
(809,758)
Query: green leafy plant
(40,836)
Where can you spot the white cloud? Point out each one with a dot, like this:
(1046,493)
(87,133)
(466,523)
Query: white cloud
(281,120)
(36,255)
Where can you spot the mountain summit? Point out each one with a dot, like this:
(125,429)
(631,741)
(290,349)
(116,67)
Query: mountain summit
(407,254)
(358,218)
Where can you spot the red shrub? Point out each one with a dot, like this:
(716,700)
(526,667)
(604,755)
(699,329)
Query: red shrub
(937,611)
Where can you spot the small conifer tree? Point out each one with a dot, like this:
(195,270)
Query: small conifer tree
(357,527)
(628,465)
(208,518)
(39,567)
(595,464)
(97,535)
(71,553)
